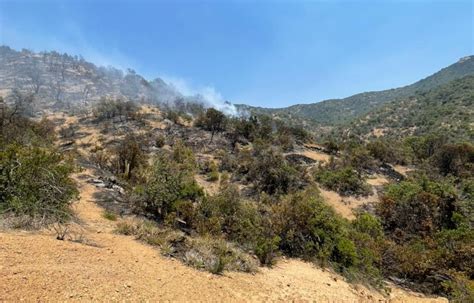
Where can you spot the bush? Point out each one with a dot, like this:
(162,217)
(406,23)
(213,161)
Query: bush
(345,181)
(367,234)
(308,228)
(416,208)
(267,249)
(213,174)
(359,158)
(426,146)
(381,150)
(220,209)
(172,116)
(455,159)
(332,147)
(272,174)
(244,222)
(23,131)
(432,236)
(184,157)
(163,185)
(36,182)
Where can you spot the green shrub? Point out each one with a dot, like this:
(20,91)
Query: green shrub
(308,228)
(164,184)
(345,181)
(184,157)
(416,207)
(213,174)
(36,182)
(267,249)
(272,174)
(367,234)
(109,215)
(455,159)
(220,210)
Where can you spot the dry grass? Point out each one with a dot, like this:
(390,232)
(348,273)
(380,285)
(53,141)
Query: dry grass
(205,253)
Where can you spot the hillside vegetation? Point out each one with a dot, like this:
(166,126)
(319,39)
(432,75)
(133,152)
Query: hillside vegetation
(340,111)
(448,109)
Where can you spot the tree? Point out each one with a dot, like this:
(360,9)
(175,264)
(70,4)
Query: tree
(33,72)
(129,156)
(213,120)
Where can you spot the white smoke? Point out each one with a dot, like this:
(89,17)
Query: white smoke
(208,94)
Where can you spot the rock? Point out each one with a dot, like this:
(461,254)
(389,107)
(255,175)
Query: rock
(119,189)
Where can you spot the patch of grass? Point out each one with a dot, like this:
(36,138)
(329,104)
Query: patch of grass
(213,176)
(109,215)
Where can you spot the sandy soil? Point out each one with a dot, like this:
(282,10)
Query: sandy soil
(345,206)
(378,180)
(211,188)
(378,132)
(315,155)
(402,169)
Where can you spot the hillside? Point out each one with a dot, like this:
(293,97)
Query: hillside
(96,263)
(339,111)
(447,109)
(64,80)
(240,208)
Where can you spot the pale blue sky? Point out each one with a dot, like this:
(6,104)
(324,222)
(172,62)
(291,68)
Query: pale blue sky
(267,53)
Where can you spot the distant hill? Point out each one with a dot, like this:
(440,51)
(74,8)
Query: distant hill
(339,111)
(448,109)
(63,79)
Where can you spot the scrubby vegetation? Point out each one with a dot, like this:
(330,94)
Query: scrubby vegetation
(447,109)
(427,214)
(35,178)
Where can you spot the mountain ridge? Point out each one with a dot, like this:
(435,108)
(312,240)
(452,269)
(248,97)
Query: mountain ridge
(338,111)
(67,80)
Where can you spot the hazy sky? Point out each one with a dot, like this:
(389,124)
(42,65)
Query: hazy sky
(267,53)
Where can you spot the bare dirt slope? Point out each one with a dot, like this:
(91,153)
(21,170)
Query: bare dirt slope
(104,266)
